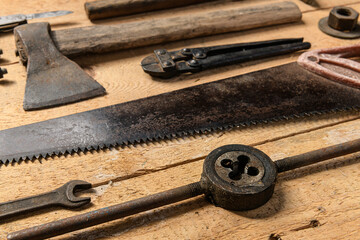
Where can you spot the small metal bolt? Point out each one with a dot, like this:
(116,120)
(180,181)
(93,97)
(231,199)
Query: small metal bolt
(168,63)
(161,52)
(186,51)
(193,63)
(200,55)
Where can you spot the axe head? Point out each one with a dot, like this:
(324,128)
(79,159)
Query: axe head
(52,78)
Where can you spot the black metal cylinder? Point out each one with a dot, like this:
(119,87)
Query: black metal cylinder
(316,156)
(107,214)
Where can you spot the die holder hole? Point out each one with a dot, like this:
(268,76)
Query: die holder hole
(236,172)
(243,160)
(253,171)
(343,12)
(226,163)
(238,167)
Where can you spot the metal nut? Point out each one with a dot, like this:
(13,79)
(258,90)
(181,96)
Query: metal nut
(343,18)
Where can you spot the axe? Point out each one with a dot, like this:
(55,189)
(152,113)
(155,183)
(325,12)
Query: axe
(53,79)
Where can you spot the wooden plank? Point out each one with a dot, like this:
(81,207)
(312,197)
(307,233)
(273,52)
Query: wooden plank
(320,192)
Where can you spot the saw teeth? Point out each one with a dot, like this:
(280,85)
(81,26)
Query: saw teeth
(168,136)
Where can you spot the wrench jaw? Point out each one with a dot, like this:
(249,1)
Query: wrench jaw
(68,198)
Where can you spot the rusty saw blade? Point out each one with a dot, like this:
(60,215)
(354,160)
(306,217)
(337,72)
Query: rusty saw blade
(280,92)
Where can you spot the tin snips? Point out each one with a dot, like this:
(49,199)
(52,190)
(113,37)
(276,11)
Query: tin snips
(165,64)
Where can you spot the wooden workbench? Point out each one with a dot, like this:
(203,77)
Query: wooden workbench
(328,193)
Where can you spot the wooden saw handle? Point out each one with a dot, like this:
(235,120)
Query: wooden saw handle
(112,8)
(98,39)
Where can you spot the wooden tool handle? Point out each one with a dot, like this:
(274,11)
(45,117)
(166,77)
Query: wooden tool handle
(112,8)
(98,39)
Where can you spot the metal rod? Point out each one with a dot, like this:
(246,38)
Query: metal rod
(316,156)
(108,213)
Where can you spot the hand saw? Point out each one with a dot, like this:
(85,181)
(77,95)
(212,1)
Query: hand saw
(282,92)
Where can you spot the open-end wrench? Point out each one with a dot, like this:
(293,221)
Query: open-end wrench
(62,196)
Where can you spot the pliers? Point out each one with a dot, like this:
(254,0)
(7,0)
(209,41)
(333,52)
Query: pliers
(165,64)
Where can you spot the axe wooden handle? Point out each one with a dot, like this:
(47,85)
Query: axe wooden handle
(98,39)
(112,8)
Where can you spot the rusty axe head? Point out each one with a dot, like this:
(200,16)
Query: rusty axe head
(52,78)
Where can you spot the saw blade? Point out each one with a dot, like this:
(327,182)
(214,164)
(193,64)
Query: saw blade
(275,93)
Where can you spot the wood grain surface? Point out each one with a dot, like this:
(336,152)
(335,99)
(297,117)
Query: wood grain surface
(112,8)
(325,195)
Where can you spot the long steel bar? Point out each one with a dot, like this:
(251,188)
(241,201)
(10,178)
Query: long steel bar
(319,155)
(108,213)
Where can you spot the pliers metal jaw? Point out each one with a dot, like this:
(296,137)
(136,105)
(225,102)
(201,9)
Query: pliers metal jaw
(165,64)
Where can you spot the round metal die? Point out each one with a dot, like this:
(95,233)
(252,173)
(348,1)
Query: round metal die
(238,177)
